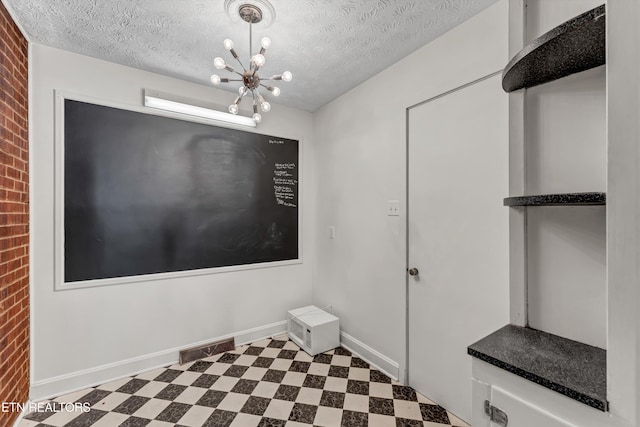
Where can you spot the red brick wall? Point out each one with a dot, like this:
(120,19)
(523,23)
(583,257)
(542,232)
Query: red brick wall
(14,217)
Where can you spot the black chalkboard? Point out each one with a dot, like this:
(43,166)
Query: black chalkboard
(148,194)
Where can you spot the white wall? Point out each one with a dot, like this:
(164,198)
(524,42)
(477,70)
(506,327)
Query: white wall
(360,157)
(565,144)
(112,330)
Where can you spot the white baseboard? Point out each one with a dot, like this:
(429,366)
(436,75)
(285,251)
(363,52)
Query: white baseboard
(371,356)
(74,381)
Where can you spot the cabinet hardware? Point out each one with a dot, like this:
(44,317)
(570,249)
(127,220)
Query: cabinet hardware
(496,415)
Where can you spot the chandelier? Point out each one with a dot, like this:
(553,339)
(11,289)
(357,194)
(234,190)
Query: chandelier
(251,81)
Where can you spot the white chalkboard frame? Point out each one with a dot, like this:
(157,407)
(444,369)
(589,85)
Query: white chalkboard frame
(59,259)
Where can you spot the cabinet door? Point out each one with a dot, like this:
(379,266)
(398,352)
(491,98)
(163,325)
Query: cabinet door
(522,413)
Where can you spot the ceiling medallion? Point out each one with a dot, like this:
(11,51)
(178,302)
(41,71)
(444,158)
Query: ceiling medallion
(251,81)
(232,8)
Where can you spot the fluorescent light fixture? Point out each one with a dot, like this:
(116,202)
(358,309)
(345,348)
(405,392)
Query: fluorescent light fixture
(195,111)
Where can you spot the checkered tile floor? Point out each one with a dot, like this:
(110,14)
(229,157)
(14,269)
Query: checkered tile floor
(269,383)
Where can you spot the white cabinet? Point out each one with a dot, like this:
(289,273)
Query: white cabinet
(525,403)
(519,412)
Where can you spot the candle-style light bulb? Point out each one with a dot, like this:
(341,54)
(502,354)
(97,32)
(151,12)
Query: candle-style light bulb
(219,63)
(258,60)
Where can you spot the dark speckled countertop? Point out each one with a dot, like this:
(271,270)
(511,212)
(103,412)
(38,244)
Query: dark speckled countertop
(576,370)
(577,45)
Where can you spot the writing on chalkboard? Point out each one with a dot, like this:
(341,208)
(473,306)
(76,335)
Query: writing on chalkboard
(284,183)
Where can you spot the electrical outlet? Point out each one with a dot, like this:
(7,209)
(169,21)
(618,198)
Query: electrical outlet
(332,232)
(393,208)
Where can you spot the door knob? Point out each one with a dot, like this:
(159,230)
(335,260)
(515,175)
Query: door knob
(413,272)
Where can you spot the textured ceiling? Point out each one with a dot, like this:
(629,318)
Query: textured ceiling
(330,45)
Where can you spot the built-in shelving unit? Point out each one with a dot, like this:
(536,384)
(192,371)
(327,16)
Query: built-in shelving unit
(566,199)
(574,369)
(577,45)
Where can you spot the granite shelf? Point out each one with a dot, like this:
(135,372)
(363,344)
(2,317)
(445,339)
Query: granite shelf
(576,370)
(565,199)
(577,45)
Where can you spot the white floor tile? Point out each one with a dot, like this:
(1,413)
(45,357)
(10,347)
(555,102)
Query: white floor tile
(186,378)
(225,383)
(329,417)
(278,409)
(336,384)
(303,357)
(217,369)
(319,369)
(294,378)
(384,421)
(356,402)
(191,395)
(233,402)
(359,374)
(265,389)
(246,420)
(152,408)
(281,364)
(245,360)
(310,396)
(156,423)
(111,402)
(151,389)
(270,352)
(381,390)
(341,360)
(407,409)
(196,416)
(254,373)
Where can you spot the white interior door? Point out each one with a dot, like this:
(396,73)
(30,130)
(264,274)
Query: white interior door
(457,235)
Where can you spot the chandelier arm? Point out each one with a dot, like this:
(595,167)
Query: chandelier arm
(235,55)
